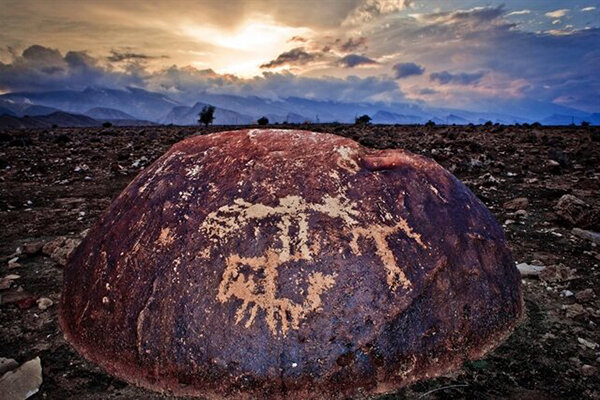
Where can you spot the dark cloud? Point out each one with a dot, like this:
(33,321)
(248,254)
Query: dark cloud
(352,44)
(117,56)
(42,68)
(404,70)
(47,69)
(461,78)
(427,91)
(297,56)
(354,60)
(298,39)
(41,54)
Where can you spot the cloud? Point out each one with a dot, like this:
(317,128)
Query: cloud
(520,12)
(461,78)
(352,44)
(427,91)
(298,39)
(43,68)
(40,68)
(116,56)
(557,13)
(585,9)
(355,60)
(473,16)
(184,84)
(297,56)
(371,9)
(404,70)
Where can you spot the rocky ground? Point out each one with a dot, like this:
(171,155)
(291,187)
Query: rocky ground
(542,183)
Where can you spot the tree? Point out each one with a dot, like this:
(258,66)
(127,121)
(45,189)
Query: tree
(207,115)
(585,123)
(362,120)
(429,123)
(263,121)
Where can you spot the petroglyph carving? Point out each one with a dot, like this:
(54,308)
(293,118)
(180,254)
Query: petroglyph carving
(379,234)
(254,280)
(259,291)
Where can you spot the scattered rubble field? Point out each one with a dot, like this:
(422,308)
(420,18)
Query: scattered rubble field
(541,183)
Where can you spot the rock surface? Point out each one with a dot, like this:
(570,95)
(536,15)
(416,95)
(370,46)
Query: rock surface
(22,382)
(289,264)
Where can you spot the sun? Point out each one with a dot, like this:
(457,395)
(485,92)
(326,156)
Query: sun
(241,51)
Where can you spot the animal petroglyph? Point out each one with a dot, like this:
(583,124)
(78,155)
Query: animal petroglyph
(262,293)
(379,234)
(254,280)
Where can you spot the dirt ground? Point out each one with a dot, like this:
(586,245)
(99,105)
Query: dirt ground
(55,184)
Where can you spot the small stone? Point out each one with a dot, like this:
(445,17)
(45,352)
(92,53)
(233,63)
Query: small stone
(7,364)
(587,343)
(574,211)
(520,203)
(557,273)
(60,248)
(13,263)
(52,245)
(44,303)
(22,382)
(585,295)
(574,310)
(567,293)
(530,270)
(588,235)
(7,281)
(32,248)
(521,213)
(588,370)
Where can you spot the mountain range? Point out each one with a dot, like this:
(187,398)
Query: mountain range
(135,106)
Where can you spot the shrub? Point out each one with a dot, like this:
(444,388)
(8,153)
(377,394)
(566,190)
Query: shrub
(107,124)
(430,123)
(263,121)
(362,120)
(207,115)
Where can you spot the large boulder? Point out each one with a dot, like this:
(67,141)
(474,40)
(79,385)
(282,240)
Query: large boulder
(289,264)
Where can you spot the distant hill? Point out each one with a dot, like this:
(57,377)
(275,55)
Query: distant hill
(137,103)
(182,115)
(58,118)
(386,117)
(7,111)
(455,119)
(104,113)
(36,110)
(63,119)
(132,104)
(557,119)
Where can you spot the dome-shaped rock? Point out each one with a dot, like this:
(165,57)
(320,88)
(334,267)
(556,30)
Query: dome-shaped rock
(289,264)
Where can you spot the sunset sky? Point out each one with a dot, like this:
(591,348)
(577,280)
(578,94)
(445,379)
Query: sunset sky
(439,52)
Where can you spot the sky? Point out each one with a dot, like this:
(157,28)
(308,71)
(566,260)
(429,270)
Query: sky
(443,53)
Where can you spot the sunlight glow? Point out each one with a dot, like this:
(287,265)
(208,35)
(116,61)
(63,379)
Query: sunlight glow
(243,50)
